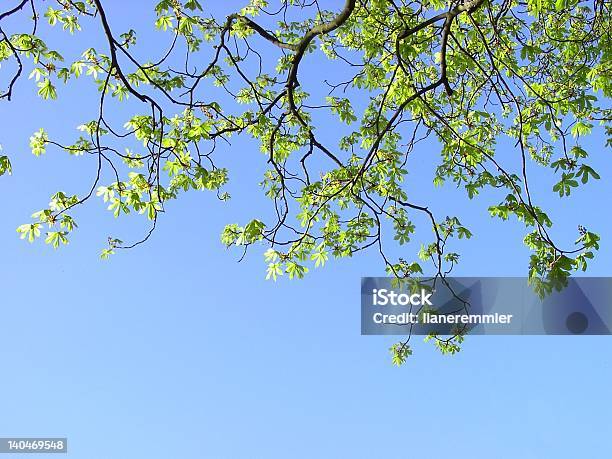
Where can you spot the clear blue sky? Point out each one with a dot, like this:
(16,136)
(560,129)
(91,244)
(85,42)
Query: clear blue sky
(175,350)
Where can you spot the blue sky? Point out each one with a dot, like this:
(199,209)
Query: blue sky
(176,350)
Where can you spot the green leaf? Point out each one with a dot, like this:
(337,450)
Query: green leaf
(55,238)
(38,142)
(585,171)
(30,231)
(5,166)
(274,270)
(46,89)
(319,258)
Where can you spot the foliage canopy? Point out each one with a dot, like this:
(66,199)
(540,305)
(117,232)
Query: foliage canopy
(470,74)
